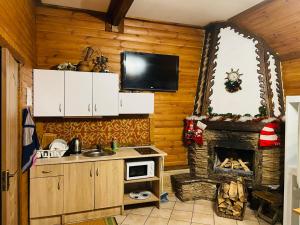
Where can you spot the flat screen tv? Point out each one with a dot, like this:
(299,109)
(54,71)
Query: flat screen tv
(143,71)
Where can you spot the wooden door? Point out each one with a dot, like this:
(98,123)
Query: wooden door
(46,196)
(10,140)
(105,94)
(136,103)
(78,187)
(109,183)
(78,93)
(49,93)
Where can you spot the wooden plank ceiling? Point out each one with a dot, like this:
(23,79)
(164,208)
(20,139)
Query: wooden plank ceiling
(277,22)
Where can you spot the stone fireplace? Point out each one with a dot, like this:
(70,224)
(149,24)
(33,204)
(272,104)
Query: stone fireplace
(237,142)
(239,93)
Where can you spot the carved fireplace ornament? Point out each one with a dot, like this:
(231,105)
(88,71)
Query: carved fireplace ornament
(233,81)
(257,93)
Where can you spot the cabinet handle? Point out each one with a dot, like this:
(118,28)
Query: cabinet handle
(91,175)
(89,107)
(95,107)
(58,185)
(59,107)
(97,172)
(121,103)
(45,171)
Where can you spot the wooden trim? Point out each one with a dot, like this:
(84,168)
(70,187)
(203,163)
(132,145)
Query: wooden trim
(117,11)
(250,10)
(97,14)
(269,82)
(202,75)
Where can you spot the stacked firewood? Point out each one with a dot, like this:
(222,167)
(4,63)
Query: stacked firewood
(231,198)
(230,163)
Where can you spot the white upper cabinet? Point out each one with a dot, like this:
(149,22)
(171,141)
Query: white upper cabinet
(48,93)
(78,94)
(136,103)
(105,94)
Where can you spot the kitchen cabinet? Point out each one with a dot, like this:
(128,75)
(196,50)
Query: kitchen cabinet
(109,186)
(46,198)
(78,93)
(48,91)
(136,103)
(105,94)
(78,187)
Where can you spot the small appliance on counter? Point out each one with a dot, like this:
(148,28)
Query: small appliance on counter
(139,169)
(74,147)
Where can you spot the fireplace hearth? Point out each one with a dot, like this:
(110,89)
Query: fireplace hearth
(233,143)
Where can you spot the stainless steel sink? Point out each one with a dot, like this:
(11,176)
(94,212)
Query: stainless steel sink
(97,153)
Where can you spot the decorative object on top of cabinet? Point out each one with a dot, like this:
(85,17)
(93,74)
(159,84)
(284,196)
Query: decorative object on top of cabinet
(67,66)
(87,64)
(101,64)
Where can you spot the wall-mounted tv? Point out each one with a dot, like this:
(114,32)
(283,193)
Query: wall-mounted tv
(143,71)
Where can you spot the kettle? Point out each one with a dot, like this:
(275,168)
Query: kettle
(75,146)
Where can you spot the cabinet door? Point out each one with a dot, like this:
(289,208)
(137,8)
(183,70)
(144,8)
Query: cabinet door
(78,93)
(79,187)
(48,91)
(109,183)
(46,196)
(136,103)
(105,94)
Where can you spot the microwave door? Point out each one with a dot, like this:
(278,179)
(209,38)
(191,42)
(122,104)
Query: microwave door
(138,171)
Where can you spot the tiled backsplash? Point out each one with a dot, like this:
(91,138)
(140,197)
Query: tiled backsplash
(127,131)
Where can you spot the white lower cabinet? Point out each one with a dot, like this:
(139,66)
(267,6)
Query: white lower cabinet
(136,103)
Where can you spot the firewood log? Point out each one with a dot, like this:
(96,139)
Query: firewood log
(223,205)
(224,163)
(246,168)
(225,188)
(240,189)
(233,191)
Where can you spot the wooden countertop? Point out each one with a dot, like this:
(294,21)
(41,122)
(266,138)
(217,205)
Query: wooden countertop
(122,153)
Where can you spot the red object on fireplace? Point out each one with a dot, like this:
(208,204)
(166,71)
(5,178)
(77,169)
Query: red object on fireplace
(268,136)
(193,132)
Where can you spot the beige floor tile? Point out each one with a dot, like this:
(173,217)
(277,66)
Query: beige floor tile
(182,206)
(144,211)
(181,215)
(133,219)
(178,222)
(203,219)
(162,213)
(127,211)
(167,205)
(172,198)
(203,209)
(190,202)
(156,221)
(204,202)
(120,218)
(248,222)
(224,221)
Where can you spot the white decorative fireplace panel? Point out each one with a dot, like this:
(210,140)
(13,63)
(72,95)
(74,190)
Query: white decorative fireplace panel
(235,52)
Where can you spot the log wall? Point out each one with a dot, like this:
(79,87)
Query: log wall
(62,35)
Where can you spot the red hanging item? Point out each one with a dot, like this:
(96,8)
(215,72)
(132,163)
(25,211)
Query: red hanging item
(268,136)
(193,132)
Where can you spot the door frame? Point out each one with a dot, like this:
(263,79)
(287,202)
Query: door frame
(16,173)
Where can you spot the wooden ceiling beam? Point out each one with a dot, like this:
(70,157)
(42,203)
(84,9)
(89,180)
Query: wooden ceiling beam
(117,11)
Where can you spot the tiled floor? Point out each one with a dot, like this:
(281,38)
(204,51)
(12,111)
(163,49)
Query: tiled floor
(175,212)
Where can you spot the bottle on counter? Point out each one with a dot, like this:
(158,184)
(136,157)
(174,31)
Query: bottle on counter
(114,144)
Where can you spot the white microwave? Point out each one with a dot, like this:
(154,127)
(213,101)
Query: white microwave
(139,169)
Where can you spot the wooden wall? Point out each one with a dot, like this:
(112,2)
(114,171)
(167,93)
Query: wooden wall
(62,35)
(17,33)
(278,23)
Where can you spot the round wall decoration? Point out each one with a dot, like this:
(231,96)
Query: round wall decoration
(233,81)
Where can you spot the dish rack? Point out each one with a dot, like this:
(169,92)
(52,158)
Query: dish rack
(50,153)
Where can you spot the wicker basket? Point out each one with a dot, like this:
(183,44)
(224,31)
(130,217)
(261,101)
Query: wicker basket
(222,214)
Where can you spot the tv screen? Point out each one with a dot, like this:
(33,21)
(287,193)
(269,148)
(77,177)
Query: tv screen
(143,71)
